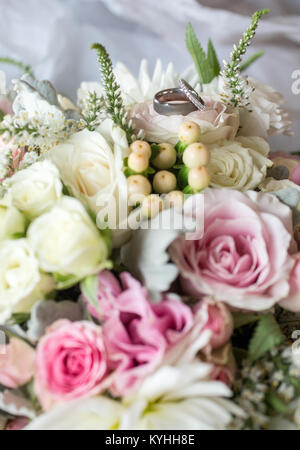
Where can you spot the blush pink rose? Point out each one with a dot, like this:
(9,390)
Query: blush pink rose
(138,333)
(218,320)
(216,122)
(244,257)
(16,363)
(71,362)
(292,302)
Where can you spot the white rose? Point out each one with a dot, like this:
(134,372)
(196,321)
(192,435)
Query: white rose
(240,164)
(19,275)
(35,189)
(91,163)
(66,241)
(12,221)
(265,115)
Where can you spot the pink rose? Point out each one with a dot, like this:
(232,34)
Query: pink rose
(16,363)
(138,333)
(292,302)
(17,424)
(71,362)
(219,321)
(244,258)
(216,122)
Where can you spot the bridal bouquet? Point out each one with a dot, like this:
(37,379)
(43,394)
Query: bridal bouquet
(149,262)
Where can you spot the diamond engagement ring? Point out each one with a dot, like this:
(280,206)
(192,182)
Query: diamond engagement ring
(182,100)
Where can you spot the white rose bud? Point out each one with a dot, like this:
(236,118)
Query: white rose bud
(189,132)
(35,189)
(141,147)
(166,157)
(19,275)
(66,241)
(196,155)
(138,162)
(151,206)
(174,199)
(164,182)
(199,178)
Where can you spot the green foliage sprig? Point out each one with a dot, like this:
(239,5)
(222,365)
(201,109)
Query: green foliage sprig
(92,111)
(231,73)
(207,66)
(114,103)
(24,67)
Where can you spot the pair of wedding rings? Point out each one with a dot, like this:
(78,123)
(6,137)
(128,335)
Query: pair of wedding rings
(182,100)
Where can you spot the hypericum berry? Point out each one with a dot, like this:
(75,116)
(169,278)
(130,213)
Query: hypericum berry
(141,147)
(164,182)
(174,199)
(166,157)
(189,132)
(198,178)
(138,188)
(138,162)
(151,206)
(196,155)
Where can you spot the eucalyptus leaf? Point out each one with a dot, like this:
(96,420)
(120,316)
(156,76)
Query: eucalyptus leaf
(266,336)
(46,312)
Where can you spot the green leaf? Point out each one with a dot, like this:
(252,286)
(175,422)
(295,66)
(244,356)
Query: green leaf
(213,59)
(89,288)
(182,177)
(155,150)
(180,147)
(241,319)
(266,336)
(203,67)
(251,60)
(1,115)
(188,190)
(65,281)
(276,403)
(19,318)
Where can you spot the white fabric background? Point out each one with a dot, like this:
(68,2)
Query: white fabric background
(54,37)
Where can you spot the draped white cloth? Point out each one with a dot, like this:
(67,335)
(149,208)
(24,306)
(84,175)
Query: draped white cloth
(54,36)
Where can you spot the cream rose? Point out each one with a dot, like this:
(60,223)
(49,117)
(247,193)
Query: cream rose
(240,164)
(12,222)
(91,164)
(19,275)
(66,241)
(35,189)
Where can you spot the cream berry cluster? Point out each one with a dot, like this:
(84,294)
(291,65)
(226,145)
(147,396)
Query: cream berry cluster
(159,175)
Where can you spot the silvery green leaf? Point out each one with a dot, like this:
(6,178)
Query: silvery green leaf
(11,402)
(46,312)
(46,89)
(146,254)
(291,198)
